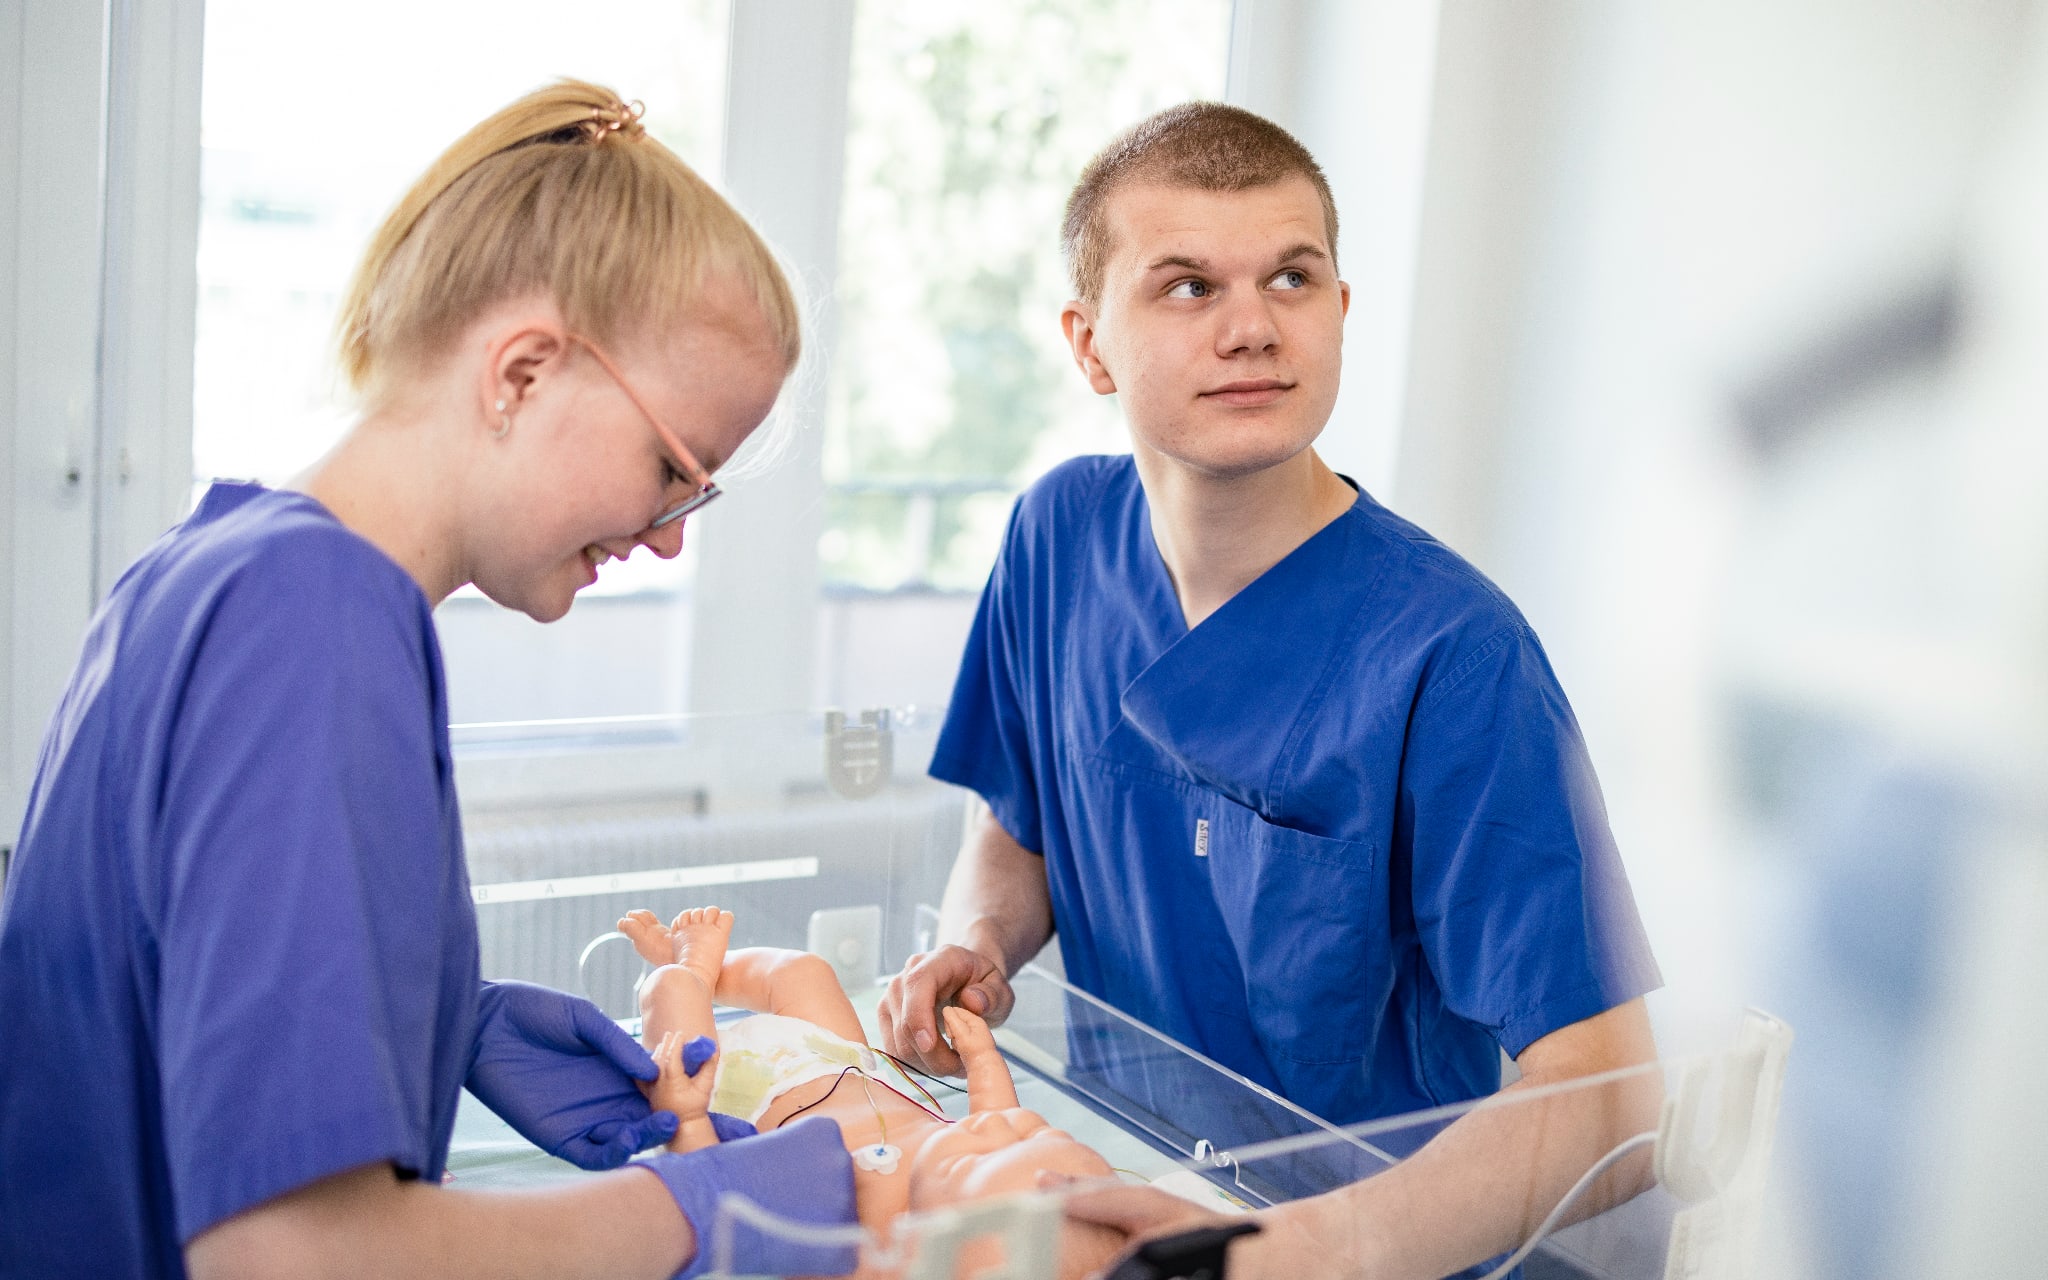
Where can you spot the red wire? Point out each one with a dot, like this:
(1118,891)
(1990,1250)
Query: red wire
(941,1117)
(899,1065)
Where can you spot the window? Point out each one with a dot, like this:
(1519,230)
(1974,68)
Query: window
(952,385)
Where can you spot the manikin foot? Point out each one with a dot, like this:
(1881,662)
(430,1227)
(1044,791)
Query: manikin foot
(699,938)
(649,937)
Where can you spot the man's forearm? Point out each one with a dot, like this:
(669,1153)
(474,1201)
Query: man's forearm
(367,1223)
(997,901)
(1485,1184)
(1477,1190)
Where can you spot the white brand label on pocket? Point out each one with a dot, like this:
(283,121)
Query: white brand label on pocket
(1201,837)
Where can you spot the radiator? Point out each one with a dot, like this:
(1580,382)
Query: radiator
(547,884)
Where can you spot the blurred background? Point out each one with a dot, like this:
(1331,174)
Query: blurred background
(1716,334)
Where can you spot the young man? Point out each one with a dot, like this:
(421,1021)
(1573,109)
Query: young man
(1293,781)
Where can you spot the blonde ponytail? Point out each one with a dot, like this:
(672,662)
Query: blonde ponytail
(561,194)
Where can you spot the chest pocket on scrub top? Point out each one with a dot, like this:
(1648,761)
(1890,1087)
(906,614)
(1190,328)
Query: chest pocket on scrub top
(1308,916)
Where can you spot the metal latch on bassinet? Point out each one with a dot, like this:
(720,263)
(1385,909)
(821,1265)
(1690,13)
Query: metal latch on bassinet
(859,757)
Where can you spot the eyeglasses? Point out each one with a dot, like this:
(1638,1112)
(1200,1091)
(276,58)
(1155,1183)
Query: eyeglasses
(693,469)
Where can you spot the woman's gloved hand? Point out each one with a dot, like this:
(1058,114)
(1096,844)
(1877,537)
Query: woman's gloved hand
(799,1172)
(563,1075)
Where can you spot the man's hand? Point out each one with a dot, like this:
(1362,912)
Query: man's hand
(564,1075)
(1140,1213)
(951,975)
(995,915)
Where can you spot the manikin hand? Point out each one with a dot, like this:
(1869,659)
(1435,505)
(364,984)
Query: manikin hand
(951,975)
(564,1075)
(989,1086)
(688,1070)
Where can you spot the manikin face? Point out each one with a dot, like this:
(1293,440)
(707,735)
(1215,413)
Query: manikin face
(994,1153)
(583,473)
(1220,326)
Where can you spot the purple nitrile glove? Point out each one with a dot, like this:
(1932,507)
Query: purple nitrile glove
(698,1052)
(799,1172)
(563,1074)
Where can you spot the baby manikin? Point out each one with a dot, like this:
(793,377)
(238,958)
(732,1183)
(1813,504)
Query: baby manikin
(804,1053)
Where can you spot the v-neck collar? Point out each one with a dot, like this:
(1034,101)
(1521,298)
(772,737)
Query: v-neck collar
(1225,698)
(1160,579)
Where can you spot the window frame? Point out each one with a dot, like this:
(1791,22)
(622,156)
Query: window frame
(753,615)
(97,286)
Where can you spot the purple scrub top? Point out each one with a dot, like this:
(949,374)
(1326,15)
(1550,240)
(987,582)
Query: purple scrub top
(237,951)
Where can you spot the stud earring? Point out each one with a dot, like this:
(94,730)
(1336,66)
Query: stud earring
(504,427)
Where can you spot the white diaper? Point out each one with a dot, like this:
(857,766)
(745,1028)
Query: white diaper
(1196,1189)
(764,1056)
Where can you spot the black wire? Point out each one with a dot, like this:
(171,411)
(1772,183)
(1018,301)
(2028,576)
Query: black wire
(828,1093)
(907,1069)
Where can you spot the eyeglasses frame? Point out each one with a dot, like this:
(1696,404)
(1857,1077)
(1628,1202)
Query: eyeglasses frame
(695,471)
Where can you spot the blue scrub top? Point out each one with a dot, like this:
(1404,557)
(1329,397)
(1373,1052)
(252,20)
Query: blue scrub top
(1343,836)
(237,951)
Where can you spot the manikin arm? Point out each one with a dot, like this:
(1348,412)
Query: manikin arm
(689,1069)
(989,1087)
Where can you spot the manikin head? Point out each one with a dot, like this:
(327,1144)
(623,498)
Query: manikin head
(997,1153)
(572,316)
(1202,248)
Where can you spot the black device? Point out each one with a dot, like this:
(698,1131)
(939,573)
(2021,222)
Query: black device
(1195,1255)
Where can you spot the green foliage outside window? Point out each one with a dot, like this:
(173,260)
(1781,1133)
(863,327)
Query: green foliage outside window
(952,386)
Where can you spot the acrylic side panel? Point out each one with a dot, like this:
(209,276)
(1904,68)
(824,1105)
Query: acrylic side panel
(1655,1171)
(820,832)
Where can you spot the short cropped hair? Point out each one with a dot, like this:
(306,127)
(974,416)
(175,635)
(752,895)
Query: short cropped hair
(1203,145)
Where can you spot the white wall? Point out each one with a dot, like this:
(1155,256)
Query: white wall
(1354,81)
(1986,1123)
(1809,664)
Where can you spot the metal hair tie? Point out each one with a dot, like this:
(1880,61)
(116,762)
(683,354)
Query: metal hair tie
(621,117)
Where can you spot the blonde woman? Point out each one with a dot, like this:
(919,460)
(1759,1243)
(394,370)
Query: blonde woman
(238,961)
